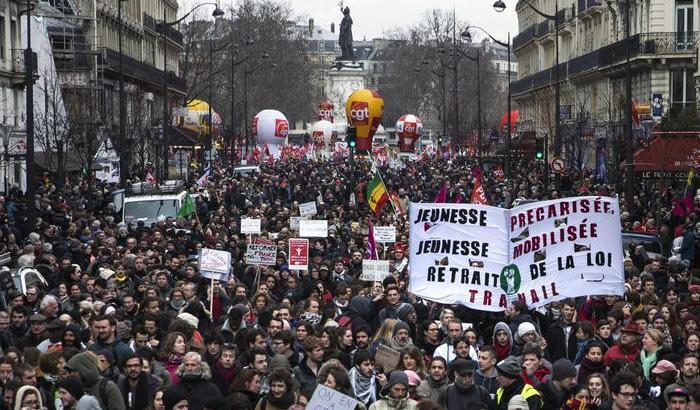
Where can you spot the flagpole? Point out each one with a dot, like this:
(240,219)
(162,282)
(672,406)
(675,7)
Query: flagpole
(382,179)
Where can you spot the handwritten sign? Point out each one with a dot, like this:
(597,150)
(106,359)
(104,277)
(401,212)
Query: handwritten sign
(250,226)
(387,358)
(313,229)
(294,223)
(307,209)
(214,264)
(385,234)
(373,270)
(325,398)
(298,254)
(258,254)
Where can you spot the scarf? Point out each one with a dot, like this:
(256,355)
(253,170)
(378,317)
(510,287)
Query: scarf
(284,402)
(648,361)
(589,367)
(363,386)
(580,348)
(226,374)
(394,344)
(175,359)
(502,351)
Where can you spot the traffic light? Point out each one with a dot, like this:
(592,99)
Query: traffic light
(539,148)
(351,137)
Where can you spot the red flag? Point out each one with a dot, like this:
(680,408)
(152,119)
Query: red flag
(478,196)
(150,177)
(371,243)
(441,196)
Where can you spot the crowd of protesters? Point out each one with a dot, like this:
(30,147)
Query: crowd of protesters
(126,321)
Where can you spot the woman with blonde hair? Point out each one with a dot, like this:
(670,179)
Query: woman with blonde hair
(652,341)
(598,389)
(411,359)
(385,332)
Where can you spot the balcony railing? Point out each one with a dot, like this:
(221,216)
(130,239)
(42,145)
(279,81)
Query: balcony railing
(170,32)
(144,72)
(542,29)
(652,44)
(524,37)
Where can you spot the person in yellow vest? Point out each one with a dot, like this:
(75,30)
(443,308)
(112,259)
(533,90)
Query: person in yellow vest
(513,388)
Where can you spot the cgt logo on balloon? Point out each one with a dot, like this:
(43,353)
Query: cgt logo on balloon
(318,139)
(281,128)
(255,125)
(359,112)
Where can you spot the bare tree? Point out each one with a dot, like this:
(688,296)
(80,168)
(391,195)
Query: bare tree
(52,128)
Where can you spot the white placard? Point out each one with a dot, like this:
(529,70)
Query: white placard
(307,209)
(486,257)
(385,234)
(313,229)
(325,398)
(214,264)
(259,254)
(374,270)
(294,222)
(250,226)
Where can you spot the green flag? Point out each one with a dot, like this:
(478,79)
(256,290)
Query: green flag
(187,207)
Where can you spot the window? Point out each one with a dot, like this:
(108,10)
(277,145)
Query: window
(682,89)
(684,25)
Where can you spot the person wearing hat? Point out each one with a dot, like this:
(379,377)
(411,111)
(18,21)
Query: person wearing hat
(677,397)
(402,337)
(55,330)
(175,399)
(513,388)
(628,346)
(463,393)
(72,394)
(558,388)
(394,395)
(37,332)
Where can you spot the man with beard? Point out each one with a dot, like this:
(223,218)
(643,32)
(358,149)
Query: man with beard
(225,368)
(105,330)
(362,377)
(18,324)
(138,387)
(463,393)
(401,259)
(195,382)
(395,394)
(307,370)
(434,386)
(447,349)
(561,337)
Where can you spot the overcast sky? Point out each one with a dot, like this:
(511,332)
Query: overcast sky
(372,18)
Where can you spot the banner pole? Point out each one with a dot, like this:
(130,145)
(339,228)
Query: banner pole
(211,300)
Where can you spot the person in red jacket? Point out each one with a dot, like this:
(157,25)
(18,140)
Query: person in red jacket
(628,346)
(535,369)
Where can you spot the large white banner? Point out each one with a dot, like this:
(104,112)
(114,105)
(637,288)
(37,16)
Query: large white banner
(486,257)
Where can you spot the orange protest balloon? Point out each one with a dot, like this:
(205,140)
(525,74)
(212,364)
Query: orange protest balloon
(364,110)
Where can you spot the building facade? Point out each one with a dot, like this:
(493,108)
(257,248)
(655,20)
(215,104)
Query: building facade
(592,70)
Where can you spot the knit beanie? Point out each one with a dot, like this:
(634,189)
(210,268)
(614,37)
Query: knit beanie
(73,385)
(401,325)
(562,369)
(525,328)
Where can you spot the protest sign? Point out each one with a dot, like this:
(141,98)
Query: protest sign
(374,270)
(294,222)
(486,257)
(307,209)
(387,358)
(313,229)
(250,226)
(385,234)
(214,264)
(325,398)
(258,254)
(298,254)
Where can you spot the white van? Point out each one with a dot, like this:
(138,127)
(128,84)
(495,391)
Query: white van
(151,203)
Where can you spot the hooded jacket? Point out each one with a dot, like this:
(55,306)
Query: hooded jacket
(504,352)
(430,389)
(199,389)
(85,364)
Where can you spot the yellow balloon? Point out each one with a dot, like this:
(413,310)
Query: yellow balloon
(364,110)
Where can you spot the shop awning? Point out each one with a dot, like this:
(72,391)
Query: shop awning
(668,154)
(181,136)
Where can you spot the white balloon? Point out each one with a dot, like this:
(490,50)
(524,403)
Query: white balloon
(322,134)
(270,127)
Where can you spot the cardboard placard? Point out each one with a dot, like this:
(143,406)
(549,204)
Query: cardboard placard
(385,234)
(258,254)
(374,270)
(250,226)
(307,209)
(294,222)
(313,228)
(325,398)
(387,357)
(298,254)
(214,264)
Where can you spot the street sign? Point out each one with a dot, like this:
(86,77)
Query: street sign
(558,165)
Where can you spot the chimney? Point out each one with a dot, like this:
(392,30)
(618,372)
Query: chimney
(311,27)
(332,27)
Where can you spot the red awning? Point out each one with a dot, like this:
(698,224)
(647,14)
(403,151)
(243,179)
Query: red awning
(504,120)
(668,154)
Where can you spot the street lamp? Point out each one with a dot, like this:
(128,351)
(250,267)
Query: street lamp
(29,90)
(166,117)
(123,156)
(6,131)
(499,6)
(468,37)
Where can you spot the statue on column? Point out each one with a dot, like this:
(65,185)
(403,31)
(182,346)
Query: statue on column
(345,35)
